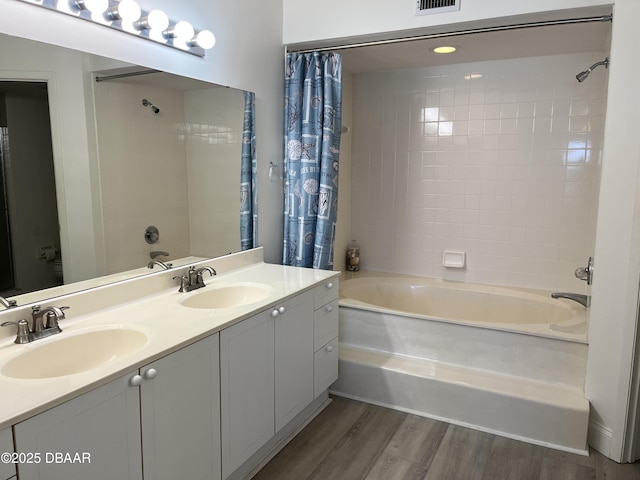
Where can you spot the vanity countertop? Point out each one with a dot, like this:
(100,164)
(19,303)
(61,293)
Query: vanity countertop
(159,314)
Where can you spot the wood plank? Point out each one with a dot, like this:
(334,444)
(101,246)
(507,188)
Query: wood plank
(390,467)
(462,454)
(355,454)
(607,469)
(417,440)
(303,454)
(554,469)
(510,459)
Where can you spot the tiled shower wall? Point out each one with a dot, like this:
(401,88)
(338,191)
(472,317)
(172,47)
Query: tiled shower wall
(499,159)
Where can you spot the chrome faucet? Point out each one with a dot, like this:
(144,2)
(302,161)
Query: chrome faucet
(584,300)
(8,303)
(164,266)
(194,278)
(44,324)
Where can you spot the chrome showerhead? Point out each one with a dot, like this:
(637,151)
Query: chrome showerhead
(147,103)
(583,75)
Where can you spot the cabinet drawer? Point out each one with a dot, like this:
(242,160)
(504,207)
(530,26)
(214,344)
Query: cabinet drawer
(6,445)
(326,292)
(325,367)
(325,324)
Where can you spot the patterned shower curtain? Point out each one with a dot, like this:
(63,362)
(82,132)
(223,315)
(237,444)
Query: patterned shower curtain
(248,170)
(313,119)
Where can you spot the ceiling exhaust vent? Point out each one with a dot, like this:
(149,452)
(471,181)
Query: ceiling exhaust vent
(427,7)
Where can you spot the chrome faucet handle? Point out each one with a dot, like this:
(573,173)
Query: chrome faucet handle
(585,273)
(23,330)
(184,283)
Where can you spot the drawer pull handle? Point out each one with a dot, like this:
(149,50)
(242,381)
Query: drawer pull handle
(150,374)
(329,285)
(330,308)
(274,313)
(135,381)
(281,310)
(330,348)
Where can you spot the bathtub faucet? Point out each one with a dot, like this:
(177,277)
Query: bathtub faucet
(584,300)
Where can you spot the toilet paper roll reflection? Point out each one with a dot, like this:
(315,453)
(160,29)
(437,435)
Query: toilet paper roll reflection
(47,253)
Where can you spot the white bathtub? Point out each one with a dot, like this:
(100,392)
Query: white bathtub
(508,361)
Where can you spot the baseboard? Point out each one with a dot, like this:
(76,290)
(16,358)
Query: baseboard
(599,437)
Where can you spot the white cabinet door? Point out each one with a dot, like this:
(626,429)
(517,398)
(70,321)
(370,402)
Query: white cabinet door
(100,429)
(180,408)
(247,389)
(6,446)
(293,357)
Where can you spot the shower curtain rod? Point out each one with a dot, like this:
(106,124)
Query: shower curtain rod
(569,21)
(129,74)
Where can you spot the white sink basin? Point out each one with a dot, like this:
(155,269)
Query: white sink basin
(228,296)
(65,355)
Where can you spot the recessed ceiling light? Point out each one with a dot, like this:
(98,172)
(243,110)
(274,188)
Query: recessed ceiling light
(444,49)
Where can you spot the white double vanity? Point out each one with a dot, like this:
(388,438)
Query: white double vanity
(147,382)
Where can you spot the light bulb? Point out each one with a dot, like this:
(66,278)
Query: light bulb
(182,31)
(157,20)
(95,6)
(205,39)
(127,10)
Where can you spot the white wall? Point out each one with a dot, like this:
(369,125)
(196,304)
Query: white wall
(247,55)
(382,18)
(617,252)
(505,167)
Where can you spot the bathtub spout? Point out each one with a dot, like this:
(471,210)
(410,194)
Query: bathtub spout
(576,297)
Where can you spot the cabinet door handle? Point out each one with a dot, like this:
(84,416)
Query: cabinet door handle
(329,308)
(329,285)
(274,313)
(135,381)
(150,374)
(330,348)
(281,310)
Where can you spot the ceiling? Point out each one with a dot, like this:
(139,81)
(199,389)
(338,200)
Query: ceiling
(524,42)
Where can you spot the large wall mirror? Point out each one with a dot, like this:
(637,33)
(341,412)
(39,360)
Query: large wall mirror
(94,151)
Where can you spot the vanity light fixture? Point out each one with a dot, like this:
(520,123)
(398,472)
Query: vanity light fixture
(127,16)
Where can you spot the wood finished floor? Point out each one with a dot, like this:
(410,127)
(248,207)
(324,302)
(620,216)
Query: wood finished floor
(351,440)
